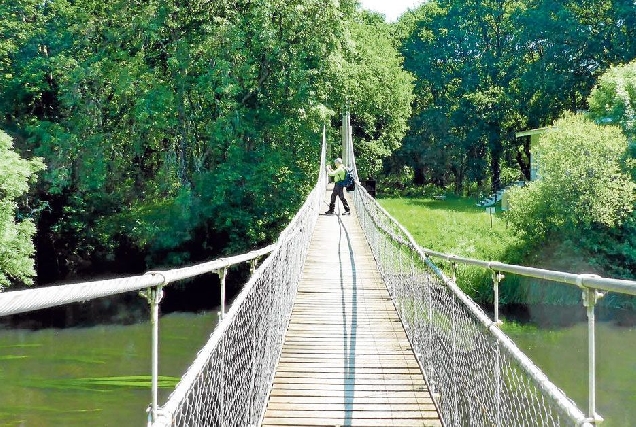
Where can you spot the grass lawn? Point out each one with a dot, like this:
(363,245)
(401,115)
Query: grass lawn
(456,226)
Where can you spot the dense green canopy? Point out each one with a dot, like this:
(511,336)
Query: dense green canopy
(488,69)
(178,130)
(175,131)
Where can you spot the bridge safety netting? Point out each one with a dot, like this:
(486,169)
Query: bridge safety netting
(229,381)
(476,374)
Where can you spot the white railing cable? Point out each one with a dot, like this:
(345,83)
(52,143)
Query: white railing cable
(14,302)
(580,280)
(476,373)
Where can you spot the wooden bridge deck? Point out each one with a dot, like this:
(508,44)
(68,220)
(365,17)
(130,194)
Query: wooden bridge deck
(346,360)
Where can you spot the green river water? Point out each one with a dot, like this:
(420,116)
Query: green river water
(87,376)
(562,354)
(90,376)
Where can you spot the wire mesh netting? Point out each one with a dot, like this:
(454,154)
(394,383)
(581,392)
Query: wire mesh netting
(229,381)
(477,376)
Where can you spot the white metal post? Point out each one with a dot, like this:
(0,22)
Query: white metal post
(344,131)
(154,296)
(590,297)
(349,141)
(222,275)
(496,278)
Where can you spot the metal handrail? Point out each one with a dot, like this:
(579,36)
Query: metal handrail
(14,302)
(591,286)
(588,281)
(151,284)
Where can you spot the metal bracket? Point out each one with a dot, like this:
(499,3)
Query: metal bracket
(591,297)
(453,268)
(152,295)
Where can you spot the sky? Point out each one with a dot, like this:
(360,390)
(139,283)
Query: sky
(391,9)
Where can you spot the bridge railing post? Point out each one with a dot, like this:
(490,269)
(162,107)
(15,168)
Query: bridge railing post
(154,296)
(590,298)
(496,279)
(222,276)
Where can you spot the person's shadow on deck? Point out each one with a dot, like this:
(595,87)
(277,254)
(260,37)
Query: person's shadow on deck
(349,336)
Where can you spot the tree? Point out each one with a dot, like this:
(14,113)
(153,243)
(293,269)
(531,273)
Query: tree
(465,56)
(486,69)
(173,130)
(568,45)
(16,246)
(613,99)
(376,89)
(582,183)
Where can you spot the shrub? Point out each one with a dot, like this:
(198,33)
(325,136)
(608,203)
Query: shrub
(16,247)
(582,182)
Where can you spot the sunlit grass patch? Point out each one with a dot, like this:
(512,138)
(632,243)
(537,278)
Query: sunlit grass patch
(12,357)
(457,226)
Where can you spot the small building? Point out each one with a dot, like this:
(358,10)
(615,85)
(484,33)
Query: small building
(534,135)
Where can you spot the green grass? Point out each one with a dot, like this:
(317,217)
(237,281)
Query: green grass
(457,226)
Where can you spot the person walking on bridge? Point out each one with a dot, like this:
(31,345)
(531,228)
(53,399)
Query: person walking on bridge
(339,175)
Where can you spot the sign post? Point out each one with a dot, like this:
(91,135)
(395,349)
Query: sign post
(490,210)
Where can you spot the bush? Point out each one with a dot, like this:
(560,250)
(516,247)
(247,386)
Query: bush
(16,246)
(582,183)
(614,97)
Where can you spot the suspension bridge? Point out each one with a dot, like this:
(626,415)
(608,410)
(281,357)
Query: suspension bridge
(346,321)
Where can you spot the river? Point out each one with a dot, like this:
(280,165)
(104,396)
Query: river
(84,376)
(561,353)
(90,376)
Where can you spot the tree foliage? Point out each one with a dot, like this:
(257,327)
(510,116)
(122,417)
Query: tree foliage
(613,99)
(178,130)
(378,92)
(485,70)
(582,182)
(16,246)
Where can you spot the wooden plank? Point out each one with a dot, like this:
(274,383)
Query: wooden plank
(351,422)
(277,407)
(300,375)
(338,400)
(346,359)
(381,398)
(346,383)
(359,370)
(335,414)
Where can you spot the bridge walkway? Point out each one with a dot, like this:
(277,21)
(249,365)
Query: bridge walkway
(346,360)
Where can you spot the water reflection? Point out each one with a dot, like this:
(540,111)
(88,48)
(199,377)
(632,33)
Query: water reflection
(562,354)
(64,377)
